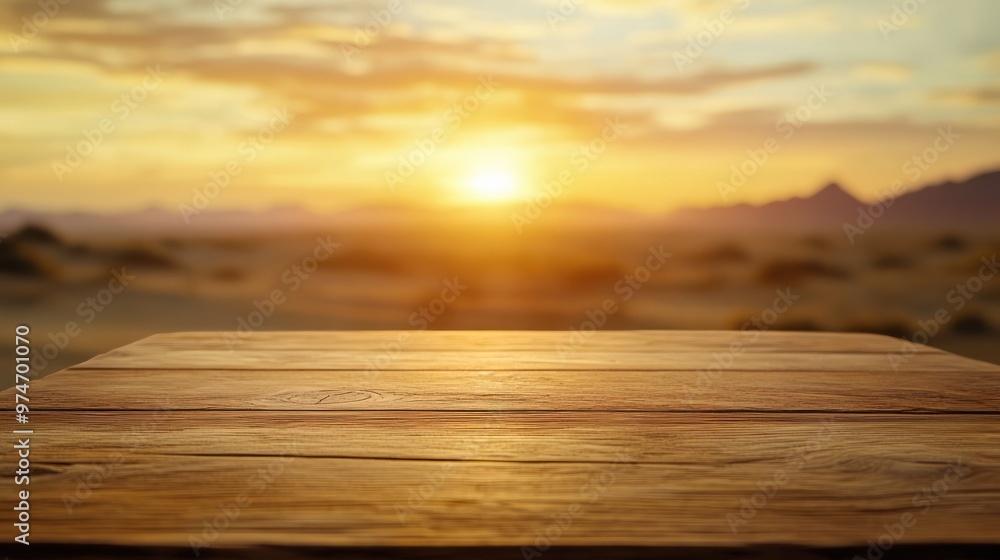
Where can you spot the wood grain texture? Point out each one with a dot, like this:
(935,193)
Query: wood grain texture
(833,499)
(805,446)
(484,350)
(901,551)
(529,341)
(585,437)
(324,359)
(777,391)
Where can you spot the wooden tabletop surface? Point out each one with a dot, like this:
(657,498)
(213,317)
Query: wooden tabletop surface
(512,445)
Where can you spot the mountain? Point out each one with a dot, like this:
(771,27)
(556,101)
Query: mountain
(973,203)
(830,206)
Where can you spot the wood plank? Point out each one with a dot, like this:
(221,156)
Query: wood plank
(484,439)
(836,498)
(762,391)
(900,551)
(529,341)
(576,360)
(709,439)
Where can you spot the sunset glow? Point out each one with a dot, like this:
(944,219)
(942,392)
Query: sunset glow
(493,186)
(328,98)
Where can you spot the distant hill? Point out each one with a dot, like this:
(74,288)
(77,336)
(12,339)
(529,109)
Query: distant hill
(974,203)
(162,222)
(829,207)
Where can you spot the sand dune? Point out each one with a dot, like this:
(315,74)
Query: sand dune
(383,275)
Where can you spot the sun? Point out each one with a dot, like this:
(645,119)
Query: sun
(493,186)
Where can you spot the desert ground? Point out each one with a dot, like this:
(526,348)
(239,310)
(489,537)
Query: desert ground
(83,294)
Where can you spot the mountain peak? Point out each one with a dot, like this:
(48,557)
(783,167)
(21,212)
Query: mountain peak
(833,191)
(969,203)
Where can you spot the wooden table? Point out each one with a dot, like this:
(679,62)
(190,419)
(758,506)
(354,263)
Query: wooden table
(643,444)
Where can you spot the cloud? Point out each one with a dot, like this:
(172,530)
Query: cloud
(359,102)
(883,71)
(971,96)
(990,60)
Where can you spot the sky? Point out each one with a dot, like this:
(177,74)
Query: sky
(112,105)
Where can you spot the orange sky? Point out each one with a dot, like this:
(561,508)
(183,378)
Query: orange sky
(114,105)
